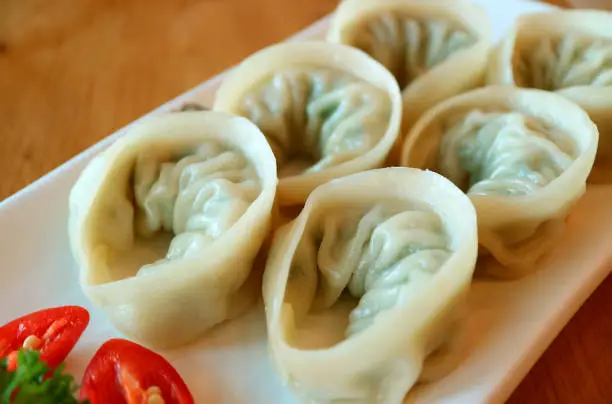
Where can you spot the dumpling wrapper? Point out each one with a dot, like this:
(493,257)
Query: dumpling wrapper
(406,326)
(568,52)
(522,155)
(330,102)
(435,48)
(168,252)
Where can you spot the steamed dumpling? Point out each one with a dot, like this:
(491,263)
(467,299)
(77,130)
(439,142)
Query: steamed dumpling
(327,110)
(364,291)
(435,48)
(522,156)
(568,52)
(166,223)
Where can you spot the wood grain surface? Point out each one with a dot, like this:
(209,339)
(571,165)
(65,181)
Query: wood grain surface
(74,71)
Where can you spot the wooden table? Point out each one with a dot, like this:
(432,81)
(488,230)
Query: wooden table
(72,72)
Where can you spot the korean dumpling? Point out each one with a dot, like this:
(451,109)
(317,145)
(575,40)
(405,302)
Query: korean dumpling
(365,290)
(166,223)
(435,48)
(568,52)
(327,110)
(521,155)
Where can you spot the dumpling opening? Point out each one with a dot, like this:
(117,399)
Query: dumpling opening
(174,202)
(502,153)
(409,46)
(315,118)
(558,62)
(354,263)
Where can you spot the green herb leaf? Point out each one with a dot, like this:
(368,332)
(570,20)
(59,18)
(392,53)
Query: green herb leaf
(29,384)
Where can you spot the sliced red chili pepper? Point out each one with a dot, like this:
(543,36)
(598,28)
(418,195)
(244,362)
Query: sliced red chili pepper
(123,372)
(53,332)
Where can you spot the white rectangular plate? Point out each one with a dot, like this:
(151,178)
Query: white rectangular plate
(510,325)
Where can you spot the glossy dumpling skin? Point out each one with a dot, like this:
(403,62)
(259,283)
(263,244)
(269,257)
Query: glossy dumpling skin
(568,52)
(327,110)
(402,243)
(166,223)
(522,156)
(435,49)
